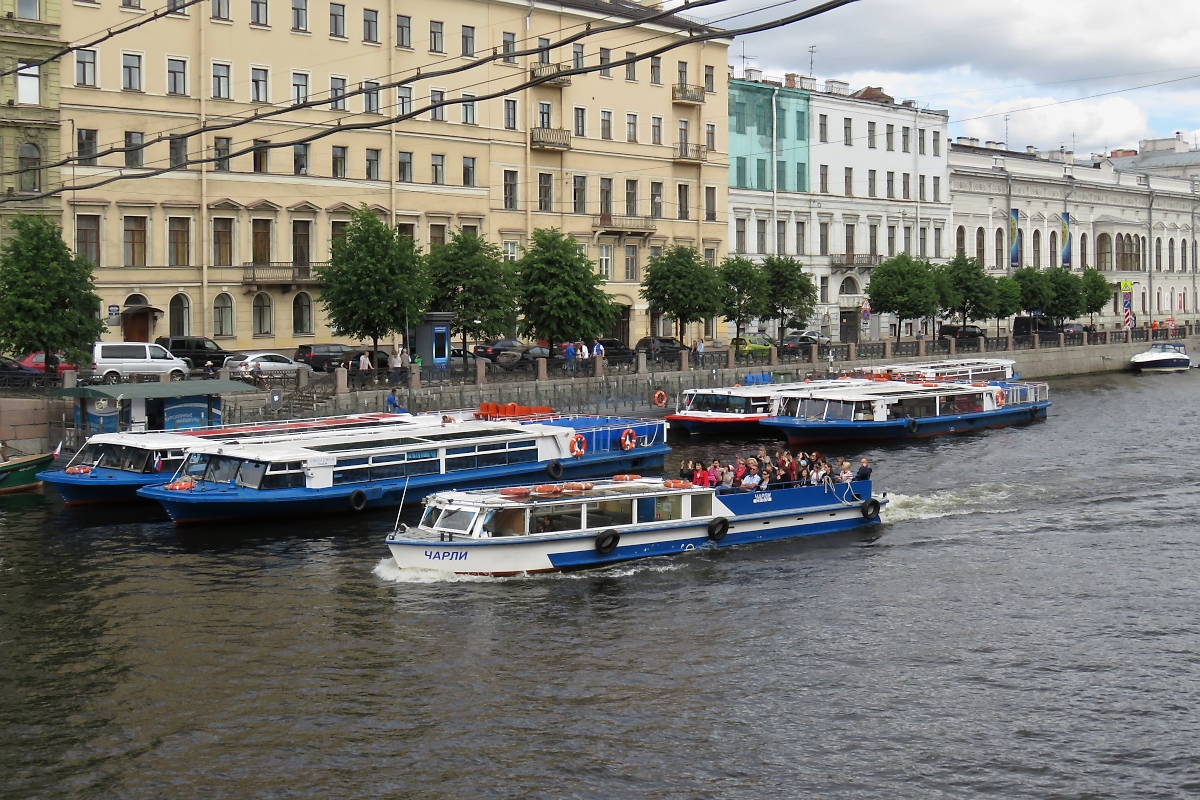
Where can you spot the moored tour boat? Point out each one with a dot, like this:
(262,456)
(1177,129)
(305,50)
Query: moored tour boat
(373,467)
(569,526)
(19,474)
(1162,357)
(881,410)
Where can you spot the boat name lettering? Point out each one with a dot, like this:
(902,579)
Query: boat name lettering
(446,555)
(322,461)
(763,497)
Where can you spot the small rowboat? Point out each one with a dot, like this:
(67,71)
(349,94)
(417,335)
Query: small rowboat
(20,474)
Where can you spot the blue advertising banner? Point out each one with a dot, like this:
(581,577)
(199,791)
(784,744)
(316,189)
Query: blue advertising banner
(1066,239)
(1014,255)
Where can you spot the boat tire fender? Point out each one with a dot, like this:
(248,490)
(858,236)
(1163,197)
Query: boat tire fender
(358,500)
(870,509)
(912,425)
(607,541)
(717,528)
(1033,413)
(554,469)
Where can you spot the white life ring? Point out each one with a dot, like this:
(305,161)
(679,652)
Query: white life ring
(1000,398)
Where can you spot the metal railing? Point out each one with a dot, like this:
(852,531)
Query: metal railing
(690,152)
(280,272)
(854,260)
(616,222)
(553,72)
(550,138)
(684,93)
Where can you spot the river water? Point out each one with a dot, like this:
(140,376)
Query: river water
(1024,625)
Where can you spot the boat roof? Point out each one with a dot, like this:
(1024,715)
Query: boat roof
(946,366)
(867,391)
(149,440)
(769,390)
(601,489)
(156,389)
(1163,346)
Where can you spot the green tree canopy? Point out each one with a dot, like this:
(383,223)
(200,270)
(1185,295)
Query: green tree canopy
(1068,294)
(972,290)
(561,298)
(1037,292)
(791,293)
(375,282)
(744,291)
(469,276)
(678,282)
(904,287)
(48,301)
(1007,298)
(1097,292)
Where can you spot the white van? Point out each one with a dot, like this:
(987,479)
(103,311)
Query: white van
(114,361)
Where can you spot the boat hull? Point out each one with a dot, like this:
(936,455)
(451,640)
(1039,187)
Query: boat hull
(718,425)
(1166,364)
(755,517)
(209,502)
(803,431)
(100,486)
(21,474)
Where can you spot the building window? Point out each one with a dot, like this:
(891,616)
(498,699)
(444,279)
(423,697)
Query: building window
(222,228)
(337,232)
(370,25)
(656,130)
(509,189)
(684,204)
(437,112)
(891,185)
(681,73)
(656,71)
(605,261)
(301,235)
(299,159)
(87,238)
(370,97)
(710,204)
(300,15)
(710,136)
(921,187)
(871,183)
(801,242)
(579,194)
(302,316)
(29,85)
(260,241)
(178,241)
(404,161)
(822,128)
(605,60)
(904,139)
(606,196)
(605,124)
(580,122)
(220,9)
(134,149)
(179,321)
(403,31)
(905,187)
(873,240)
(510,251)
(337,20)
(468,40)
(710,79)
(258,85)
(543,54)
(823,237)
(802,177)
(220,78)
(631,198)
(760,230)
(849,182)
(258,12)
(404,100)
(437,235)
(29,162)
(889,137)
(631,67)
(920,141)
(545,184)
(28,9)
(85,67)
(937,189)
(436,41)
(372,165)
(176,75)
(631,263)
(299,88)
(891,240)
(85,146)
(871,135)
(508,45)
(468,174)
(781,175)
(135,241)
(337,94)
(262,314)
(543,115)
(801,126)
(656,200)
(631,127)
(847,132)
(577,56)
(937,143)
(259,151)
(739,235)
(825,178)
(921,237)
(178,151)
(510,115)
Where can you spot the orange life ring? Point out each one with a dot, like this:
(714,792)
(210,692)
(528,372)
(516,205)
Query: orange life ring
(622,478)
(82,469)
(578,445)
(578,487)
(1000,398)
(676,483)
(660,398)
(628,439)
(547,488)
(514,491)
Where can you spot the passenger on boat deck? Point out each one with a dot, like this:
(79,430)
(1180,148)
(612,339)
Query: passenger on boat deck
(864,471)
(845,476)
(700,476)
(714,473)
(686,468)
(764,460)
(740,471)
(751,479)
(727,477)
(543,525)
(448,420)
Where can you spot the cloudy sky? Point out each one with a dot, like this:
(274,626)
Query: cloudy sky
(1063,70)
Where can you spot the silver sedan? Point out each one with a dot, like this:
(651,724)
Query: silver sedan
(269,362)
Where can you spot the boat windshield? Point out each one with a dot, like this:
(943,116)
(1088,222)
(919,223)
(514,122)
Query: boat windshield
(223,469)
(455,519)
(118,456)
(1166,347)
(728,404)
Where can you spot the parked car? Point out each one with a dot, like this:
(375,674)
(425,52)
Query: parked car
(616,351)
(1027,326)
(950,331)
(525,357)
(196,350)
(37,361)
(114,361)
(658,346)
(752,344)
(491,351)
(321,357)
(462,360)
(1073,327)
(15,375)
(380,360)
(797,340)
(270,363)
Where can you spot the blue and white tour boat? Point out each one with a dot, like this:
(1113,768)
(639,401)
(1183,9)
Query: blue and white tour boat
(399,461)
(1162,357)
(580,525)
(888,409)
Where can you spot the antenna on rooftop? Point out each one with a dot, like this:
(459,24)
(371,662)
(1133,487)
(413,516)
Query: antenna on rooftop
(745,58)
(812,53)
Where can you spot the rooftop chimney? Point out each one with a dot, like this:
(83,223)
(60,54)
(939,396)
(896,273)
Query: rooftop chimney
(1031,150)
(837,87)
(808,83)
(789,80)
(752,74)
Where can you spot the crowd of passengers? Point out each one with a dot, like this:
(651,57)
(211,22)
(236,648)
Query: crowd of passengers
(761,472)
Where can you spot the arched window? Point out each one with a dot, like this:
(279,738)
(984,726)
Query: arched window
(1020,248)
(1170,255)
(849,286)
(1083,262)
(1053,251)
(262,314)
(1183,255)
(137,300)
(1104,254)
(960,241)
(1037,249)
(999,248)
(1158,257)
(302,321)
(980,244)
(29,158)
(180,313)
(223,315)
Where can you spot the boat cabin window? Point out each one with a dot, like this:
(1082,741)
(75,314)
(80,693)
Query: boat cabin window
(962,403)
(250,474)
(607,513)
(504,522)
(455,519)
(660,508)
(702,504)
(915,407)
(287,475)
(557,518)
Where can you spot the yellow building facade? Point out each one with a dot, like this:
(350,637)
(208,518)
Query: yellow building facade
(627,159)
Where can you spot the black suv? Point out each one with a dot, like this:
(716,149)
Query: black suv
(321,357)
(616,351)
(1027,326)
(658,346)
(962,331)
(196,350)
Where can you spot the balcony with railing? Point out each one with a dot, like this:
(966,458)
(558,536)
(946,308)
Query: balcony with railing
(553,72)
(550,138)
(286,273)
(613,223)
(691,153)
(854,260)
(691,95)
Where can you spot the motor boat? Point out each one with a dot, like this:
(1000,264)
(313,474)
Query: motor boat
(1162,357)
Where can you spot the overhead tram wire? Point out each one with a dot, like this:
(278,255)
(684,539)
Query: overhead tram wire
(496,55)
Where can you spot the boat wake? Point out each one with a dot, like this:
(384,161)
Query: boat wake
(984,498)
(387,570)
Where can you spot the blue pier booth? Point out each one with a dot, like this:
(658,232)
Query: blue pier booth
(173,406)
